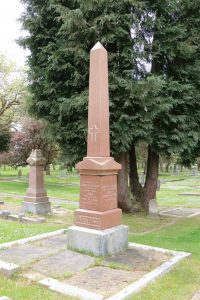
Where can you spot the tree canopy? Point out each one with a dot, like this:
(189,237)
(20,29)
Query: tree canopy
(154,72)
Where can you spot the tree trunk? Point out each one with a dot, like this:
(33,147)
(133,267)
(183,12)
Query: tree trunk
(122,187)
(48,170)
(151,178)
(167,167)
(135,186)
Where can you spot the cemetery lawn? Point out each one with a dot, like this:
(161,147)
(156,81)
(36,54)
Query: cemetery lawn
(184,280)
(63,185)
(176,234)
(184,235)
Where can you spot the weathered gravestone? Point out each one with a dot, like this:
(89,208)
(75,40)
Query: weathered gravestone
(158,185)
(36,200)
(98,220)
(153,208)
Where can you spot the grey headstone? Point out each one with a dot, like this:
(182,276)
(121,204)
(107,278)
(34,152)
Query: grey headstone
(142,179)
(5,213)
(158,185)
(153,208)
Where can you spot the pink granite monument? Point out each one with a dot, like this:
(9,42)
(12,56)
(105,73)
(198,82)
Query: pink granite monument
(98,214)
(36,200)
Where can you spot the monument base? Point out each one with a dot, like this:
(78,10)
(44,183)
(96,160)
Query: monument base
(98,242)
(37,207)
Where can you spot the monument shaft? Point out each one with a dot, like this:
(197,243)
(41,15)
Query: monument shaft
(98,113)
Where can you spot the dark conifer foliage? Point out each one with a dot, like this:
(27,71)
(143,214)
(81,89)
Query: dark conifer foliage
(154,74)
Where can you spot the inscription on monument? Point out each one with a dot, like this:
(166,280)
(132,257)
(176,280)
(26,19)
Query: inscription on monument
(87,220)
(89,194)
(109,192)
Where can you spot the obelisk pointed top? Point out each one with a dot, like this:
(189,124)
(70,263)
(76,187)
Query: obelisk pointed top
(98,46)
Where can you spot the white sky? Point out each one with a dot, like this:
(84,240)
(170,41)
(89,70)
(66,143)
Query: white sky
(10,11)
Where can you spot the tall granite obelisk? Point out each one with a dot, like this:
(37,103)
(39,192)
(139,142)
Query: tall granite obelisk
(98,226)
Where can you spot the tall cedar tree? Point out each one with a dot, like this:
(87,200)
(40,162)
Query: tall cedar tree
(174,52)
(156,107)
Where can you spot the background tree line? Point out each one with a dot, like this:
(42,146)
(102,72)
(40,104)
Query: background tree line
(154,76)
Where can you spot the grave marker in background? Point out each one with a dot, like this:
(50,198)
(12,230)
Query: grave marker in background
(36,200)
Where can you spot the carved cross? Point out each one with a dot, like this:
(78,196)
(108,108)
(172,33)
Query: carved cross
(93,131)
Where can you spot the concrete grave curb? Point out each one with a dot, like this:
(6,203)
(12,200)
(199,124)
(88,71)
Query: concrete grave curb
(167,213)
(32,239)
(153,275)
(83,294)
(132,289)
(69,290)
(8,269)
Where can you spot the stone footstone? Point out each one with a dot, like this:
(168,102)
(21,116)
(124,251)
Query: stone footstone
(104,280)
(5,298)
(5,213)
(98,242)
(63,263)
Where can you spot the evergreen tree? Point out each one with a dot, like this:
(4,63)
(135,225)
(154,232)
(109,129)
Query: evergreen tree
(174,53)
(156,107)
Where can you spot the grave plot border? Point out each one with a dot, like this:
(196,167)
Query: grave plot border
(166,213)
(132,289)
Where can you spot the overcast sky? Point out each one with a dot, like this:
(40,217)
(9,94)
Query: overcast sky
(10,11)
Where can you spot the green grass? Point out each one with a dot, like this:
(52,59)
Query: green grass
(63,192)
(65,188)
(21,289)
(184,235)
(140,223)
(184,280)
(11,231)
(171,188)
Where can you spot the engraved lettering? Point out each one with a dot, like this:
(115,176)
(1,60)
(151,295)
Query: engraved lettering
(87,220)
(109,192)
(89,194)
